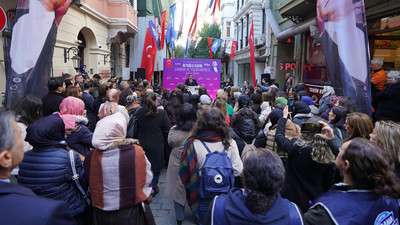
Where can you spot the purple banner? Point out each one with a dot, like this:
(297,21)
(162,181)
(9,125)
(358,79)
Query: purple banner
(207,73)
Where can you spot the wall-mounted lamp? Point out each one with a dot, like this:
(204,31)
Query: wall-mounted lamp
(76,60)
(105,58)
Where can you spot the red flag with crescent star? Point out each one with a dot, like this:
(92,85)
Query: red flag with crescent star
(163,16)
(233,49)
(210,41)
(252,60)
(149,55)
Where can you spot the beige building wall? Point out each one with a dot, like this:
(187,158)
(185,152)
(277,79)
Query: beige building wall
(95,31)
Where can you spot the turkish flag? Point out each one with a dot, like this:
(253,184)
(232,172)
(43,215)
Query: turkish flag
(149,55)
(210,40)
(168,63)
(163,16)
(233,49)
(252,60)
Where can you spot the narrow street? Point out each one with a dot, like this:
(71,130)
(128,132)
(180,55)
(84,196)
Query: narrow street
(163,208)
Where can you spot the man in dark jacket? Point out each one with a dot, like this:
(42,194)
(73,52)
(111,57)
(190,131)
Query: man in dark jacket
(53,99)
(388,100)
(16,200)
(88,99)
(191,81)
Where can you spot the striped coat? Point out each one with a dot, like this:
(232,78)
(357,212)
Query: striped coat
(119,177)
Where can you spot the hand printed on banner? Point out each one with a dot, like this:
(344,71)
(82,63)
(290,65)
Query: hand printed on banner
(330,10)
(169,78)
(200,78)
(58,6)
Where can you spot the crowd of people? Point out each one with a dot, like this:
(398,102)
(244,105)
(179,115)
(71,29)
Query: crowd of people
(91,153)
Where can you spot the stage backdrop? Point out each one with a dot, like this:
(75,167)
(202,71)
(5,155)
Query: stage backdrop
(205,71)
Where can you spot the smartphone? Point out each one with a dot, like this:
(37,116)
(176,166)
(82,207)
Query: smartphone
(311,128)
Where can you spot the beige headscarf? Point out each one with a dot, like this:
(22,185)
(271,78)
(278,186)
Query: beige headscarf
(109,130)
(111,105)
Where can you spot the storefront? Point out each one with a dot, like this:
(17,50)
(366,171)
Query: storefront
(385,41)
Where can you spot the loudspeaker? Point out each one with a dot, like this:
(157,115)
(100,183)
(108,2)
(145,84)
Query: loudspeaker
(141,73)
(267,77)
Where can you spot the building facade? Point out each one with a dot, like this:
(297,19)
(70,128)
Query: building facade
(99,29)
(296,43)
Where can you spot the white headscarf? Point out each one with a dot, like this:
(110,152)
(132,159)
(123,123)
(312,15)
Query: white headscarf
(108,130)
(328,90)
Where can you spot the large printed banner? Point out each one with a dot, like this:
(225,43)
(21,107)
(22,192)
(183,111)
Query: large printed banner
(344,40)
(32,46)
(205,71)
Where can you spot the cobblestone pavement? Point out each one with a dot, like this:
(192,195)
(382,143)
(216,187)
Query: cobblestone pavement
(163,207)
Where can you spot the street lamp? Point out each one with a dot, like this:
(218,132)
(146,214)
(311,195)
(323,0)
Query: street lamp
(76,60)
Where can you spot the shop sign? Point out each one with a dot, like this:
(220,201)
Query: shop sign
(105,73)
(315,92)
(287,65)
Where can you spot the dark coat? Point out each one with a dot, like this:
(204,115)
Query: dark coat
(46,169)
(91,113)
(194,82)
(305,178)
(80,140)
(19,205)
(247,130)
(152,135)
(389,103)
(51,103)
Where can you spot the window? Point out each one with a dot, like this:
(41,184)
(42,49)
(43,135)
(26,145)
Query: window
(237,36)
(237,5)
(127,52)
(264,21)
(247,29)
(241,39)
(228,29)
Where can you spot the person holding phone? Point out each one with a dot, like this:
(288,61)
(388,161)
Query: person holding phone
(310,166)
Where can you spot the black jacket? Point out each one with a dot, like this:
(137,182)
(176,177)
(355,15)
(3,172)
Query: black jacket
(305,178)
(51,103)
(389,103)
(194,82)
(247,130)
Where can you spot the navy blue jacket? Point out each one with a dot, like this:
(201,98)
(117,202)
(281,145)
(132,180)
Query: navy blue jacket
(91,113)
(46,169)
(19,205)
(232,209)
(80,140)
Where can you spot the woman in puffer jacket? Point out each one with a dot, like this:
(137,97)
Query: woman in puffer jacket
(46,169)
(245,127)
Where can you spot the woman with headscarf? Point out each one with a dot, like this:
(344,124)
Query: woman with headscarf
(153,126)
(119,175)
(309,168)
(82,70)
(46,169)
(79,137)
(325,100)
(111,105)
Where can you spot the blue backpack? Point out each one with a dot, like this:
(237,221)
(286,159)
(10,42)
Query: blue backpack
(216,175)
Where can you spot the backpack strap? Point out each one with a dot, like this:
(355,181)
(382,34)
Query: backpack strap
(208,150)
(75,177)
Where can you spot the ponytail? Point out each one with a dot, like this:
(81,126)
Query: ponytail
(149,104)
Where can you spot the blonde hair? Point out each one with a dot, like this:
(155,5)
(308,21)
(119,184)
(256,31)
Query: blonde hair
(221,94)
(320,150)
(388,134)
